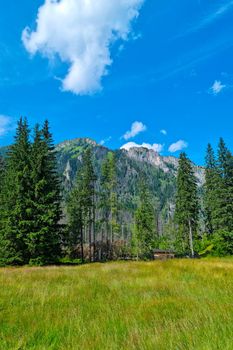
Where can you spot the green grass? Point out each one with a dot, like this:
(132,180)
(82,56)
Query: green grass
(177,305)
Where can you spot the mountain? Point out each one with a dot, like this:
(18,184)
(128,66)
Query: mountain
(158,171)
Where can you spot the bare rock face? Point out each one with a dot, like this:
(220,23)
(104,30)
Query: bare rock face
(149,156)
(167,164)
(67,171)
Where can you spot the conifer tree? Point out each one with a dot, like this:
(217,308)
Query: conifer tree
(109,200)
(2,166)
(81,205)
(2,178)
(104,195)
(210,189)
(75,218)
(17,191)
(224,211)
(2,171)
(45,237)
(112,182)
(89,179)
(145,222)
(186,211)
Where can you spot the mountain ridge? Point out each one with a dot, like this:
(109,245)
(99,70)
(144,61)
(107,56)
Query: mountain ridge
(132,165)
(140,154)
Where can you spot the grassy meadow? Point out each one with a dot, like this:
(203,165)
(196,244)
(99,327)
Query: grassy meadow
(177,305)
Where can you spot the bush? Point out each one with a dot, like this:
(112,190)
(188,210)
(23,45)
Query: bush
(222,243)
(69,261)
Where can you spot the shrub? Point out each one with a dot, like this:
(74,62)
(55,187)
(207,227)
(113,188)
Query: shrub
(222,243)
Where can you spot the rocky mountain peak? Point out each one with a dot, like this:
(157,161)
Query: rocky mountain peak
(76,141)
(143,154)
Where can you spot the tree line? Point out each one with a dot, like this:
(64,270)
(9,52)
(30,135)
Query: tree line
(40,225)
(30,199)
(205,221)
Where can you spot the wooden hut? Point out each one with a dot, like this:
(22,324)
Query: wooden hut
(160,254)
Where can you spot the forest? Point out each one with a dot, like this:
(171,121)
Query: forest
(43,222)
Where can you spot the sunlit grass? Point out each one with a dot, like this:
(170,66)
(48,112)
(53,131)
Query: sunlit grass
(180,304)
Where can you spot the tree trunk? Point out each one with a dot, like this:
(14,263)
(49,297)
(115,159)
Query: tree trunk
(111,227)
(191,239)
(82,253)
(102,243)
(93,230)
(90,231)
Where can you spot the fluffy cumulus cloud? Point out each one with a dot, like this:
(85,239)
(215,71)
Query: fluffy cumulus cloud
(136,128)
(155,147)
(217,87)
(5,124)
(178,146)
(81,33)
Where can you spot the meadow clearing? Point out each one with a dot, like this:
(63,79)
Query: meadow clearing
(177,305)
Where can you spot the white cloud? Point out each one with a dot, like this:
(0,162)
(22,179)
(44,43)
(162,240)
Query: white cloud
(81,33)
(217,87)
(104,141)
(136,128)
(178,146)
(209,18)
(155,147)
(219,12)
(5,124)
(164,132)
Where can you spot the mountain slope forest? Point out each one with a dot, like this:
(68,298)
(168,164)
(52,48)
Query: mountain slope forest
(80,201)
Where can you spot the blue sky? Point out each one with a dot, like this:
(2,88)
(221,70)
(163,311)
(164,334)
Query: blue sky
(120,72)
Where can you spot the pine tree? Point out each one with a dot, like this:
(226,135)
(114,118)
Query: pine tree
(2,172)
(210,189)
(145,222)
(229,195)
(112,182)
(17,209)
(109,200)
(89,179)
(75,218)
(224,212)
(186,211)
(104,203)
(2,179)
(45,237)
(223,158)
(2,167)
(81,205)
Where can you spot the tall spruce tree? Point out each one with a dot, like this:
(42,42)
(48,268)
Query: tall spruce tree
(112,183)
(104,203)
(2,179)
(210,189)
(186,211)
(2,167)
(17,203)
(45,237)
(2,173)
(76,219)
(109,200)
(89,179)
(224,212)
(145,222)
(82,206)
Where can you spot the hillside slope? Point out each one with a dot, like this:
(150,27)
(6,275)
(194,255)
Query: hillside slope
(158,171)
